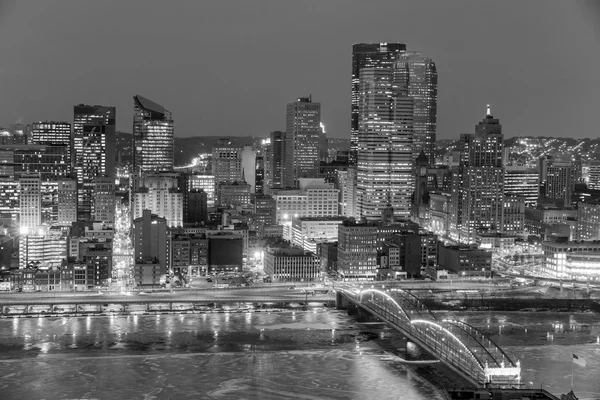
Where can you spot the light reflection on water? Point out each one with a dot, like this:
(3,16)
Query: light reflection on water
(268,356)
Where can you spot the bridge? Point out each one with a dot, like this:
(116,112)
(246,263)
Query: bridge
(458,345)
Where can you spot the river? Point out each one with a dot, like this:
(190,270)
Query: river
(317,354)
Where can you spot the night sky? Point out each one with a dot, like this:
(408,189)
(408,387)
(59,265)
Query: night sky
(229,67)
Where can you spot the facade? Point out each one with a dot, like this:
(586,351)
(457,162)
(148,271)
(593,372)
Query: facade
(314,199)
(522,182)
(197,206)
(259,175)
(478,188)
(67,202)
(94,141)
(418,74)
(384,141)
(307,232)
(227,162)
(466,262)
(189,254)
(368,55)
(557,180)
(150,243)
(537,220)
(51,162)
(104,200)
(159,193)
(357,251)
(206,183)
(275,161)
(10,208)
(234,194)
(13,135)
(439,213)
(292,265)
(55,133)
(303,129)
(30,201)
(264,209)
(153,137)
(43,247)
(588,221)
(96,256)
(225,251)
(572,260)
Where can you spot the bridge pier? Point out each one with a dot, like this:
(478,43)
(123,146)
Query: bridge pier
(352,309)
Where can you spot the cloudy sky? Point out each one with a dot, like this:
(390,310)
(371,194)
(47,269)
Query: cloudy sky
(229,67)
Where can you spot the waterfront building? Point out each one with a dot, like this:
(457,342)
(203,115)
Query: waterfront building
(478,188)
(303,129)
(159,193)
(226,250)
(328,252)
(464,261)
(572,260)
(153,137)
(43,247)
(357,251)
(384,164)
(367,55)
(67,202)
(151,248)
(227,162)
(288,264)
(189,254)
(94,141)
(104,200)
(522,182)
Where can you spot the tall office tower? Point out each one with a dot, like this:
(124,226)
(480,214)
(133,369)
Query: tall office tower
(384,145)
(259,175)
(94,141)
(227,162)
(30,201)
(522,182)
(151,247)
(159,193)
(249,167)
(302,132)
(418,75)
(368,55)
(275,162)
(323,145)
(153,139)
(54,133)
(104,200)
(478,190)
(67,202)
(557,180)
(196,207)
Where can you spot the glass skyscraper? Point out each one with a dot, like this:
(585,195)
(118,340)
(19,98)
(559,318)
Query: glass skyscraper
(94,141)
(384,145)
(302,134)
(368,55)
(153,139)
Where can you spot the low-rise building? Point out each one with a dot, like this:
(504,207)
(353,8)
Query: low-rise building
(285,264)
(466,262)
(578,260)
(307,232)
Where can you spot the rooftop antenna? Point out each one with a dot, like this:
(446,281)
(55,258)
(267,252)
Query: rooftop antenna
(489,110)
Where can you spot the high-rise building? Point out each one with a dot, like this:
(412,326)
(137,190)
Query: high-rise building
(227,162)
(67,202)
(285,264)
(196,207)
(302,133)
(206,183)
(30,199)
(478,188)
(259,175)
(384,145)
(264,209)
(151,247)
(234,194)
(153,138)
(275,162)
(314,198)
(557,180)
(357,251)
(368,55)
(249,167)
(55,133)
(94,141)
(104,200)
(51,162)
(160,194)
(418,75)
(522,182)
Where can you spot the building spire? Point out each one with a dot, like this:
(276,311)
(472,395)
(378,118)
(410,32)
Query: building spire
(489,110)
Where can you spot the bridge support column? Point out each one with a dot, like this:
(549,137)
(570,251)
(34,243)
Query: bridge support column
(352,309)
(170,306)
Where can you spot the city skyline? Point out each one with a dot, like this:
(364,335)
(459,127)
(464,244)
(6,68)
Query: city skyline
(205,77)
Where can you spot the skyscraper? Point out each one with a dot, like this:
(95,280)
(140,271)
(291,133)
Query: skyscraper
(30,200)
(152,136)
(275,162)
(302,133)
(227,162)
(478,189)
(94,141)
(368,55)
(53,133)
(418,74)
(384,145)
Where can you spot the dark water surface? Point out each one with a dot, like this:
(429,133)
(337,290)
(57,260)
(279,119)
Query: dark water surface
(322,354)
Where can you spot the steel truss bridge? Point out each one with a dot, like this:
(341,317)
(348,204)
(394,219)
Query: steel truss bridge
(457,344)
